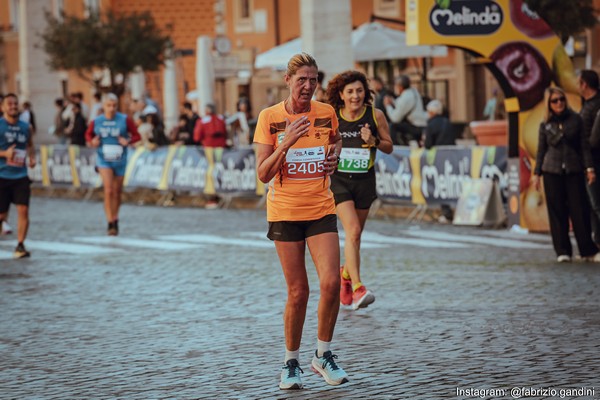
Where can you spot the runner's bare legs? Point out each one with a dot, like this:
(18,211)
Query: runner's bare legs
(108,178)
(353,221)
(325,252)
(291,256)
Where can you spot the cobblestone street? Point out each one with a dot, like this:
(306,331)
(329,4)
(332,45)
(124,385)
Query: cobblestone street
(187,303)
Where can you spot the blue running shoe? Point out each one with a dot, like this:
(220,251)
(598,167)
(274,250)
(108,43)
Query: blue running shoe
(328,369)
(290,375)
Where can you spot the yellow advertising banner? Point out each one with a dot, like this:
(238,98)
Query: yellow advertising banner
(520,50)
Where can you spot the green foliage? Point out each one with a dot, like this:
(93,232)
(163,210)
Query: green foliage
(118,42)
(565,17)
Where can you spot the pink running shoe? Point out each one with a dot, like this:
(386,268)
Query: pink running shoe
(345,289)
(362,297)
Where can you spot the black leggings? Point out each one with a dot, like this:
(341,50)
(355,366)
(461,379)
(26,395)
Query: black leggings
(566,198)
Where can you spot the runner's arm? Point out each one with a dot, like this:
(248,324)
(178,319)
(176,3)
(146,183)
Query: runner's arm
(385,140)
(337,141)
(268,161)
(8,153)
(331,164)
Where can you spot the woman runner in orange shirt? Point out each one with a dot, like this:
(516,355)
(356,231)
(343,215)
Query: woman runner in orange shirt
(297,149)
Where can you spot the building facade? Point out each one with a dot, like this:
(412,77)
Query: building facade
(240,30)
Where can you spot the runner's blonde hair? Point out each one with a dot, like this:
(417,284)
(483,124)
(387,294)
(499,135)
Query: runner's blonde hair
(298,61)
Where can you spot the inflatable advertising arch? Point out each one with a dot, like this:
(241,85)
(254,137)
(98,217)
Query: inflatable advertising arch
(525,56)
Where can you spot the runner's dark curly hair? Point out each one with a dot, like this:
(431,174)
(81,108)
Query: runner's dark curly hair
(336,85)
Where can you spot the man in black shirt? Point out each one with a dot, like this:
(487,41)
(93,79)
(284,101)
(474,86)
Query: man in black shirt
(589,87)
(192,117)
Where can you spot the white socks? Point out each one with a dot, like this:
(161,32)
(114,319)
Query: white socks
(291,355)
(322,347)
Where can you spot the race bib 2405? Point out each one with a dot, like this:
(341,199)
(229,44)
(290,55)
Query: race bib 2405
(305,163)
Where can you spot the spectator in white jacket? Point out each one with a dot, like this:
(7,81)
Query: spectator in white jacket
(406,113)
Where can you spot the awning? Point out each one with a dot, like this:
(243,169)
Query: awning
(370,42)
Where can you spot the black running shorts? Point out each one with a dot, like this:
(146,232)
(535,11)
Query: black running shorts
(347,187)
(16,191)
(296,231)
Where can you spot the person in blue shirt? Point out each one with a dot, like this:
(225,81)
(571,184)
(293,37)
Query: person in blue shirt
(16,146)
(111,133)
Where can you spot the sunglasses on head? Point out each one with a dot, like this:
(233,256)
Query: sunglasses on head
(558,99)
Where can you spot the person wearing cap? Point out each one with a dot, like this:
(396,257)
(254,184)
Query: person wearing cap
(149,109)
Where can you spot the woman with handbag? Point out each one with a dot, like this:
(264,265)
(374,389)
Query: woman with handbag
(565,162)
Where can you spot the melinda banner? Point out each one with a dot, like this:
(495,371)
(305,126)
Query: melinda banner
(417,176)
(187,169)
(184,168)
(437,175)
(236,172)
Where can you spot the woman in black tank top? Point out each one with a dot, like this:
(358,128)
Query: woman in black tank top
(364,129)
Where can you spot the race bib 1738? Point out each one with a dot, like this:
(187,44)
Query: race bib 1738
(354,160)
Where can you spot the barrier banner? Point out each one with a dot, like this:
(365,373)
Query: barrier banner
(56,166)
(36,173)
(83,167)
(145,168)
(213,156)
(415,176)
(437,175)
(235,173)
(444,171)
(187,169)
(394,175)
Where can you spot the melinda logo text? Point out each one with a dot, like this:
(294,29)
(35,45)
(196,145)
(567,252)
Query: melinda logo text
(475,17)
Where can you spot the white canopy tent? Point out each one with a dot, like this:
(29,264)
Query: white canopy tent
(370,42)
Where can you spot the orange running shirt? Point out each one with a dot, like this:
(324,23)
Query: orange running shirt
(300,190)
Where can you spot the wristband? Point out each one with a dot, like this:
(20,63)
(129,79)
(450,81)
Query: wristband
(377,141)
(590,170)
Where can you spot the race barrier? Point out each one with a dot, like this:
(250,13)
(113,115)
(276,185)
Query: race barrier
(438,175)
(417,176)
